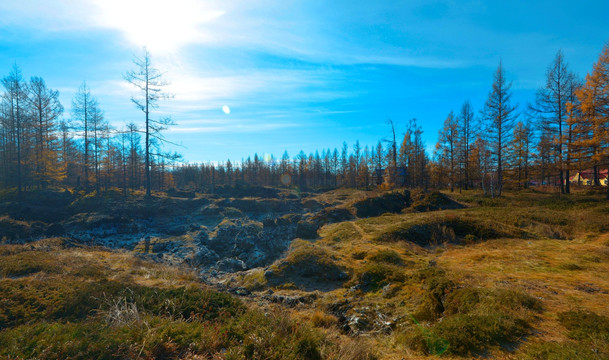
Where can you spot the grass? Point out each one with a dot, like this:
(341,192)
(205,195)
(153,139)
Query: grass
(83,303)
(516,277)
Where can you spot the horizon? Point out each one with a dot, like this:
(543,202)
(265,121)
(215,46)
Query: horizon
(296,76)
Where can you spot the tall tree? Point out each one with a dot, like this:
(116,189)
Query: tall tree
(594,102)
(519,153)
(550,107)
(447,147)
(393,154)
(15,97)
(46,110)
(499,115)
(467,132)
(84,106)
(149,82)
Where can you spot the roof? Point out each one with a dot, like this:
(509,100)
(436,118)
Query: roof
(588,174)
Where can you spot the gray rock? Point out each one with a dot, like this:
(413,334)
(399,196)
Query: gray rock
(231,265)
(204,257)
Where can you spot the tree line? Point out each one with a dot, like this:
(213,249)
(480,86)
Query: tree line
(565,130)
(40,148)
(562,132)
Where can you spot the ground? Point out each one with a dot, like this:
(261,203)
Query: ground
(343,274)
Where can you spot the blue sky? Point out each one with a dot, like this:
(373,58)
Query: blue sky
(297,74)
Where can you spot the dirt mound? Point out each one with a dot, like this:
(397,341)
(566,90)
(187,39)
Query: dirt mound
(332,215)
(435,201)
(454,230)
(11,229)
(307,266)
(393,202)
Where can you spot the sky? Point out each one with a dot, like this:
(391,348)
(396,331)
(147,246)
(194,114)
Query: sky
(267,76)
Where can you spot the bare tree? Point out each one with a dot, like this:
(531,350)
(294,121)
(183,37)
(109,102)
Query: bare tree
(149,81)
(499,114)
(84,106)
(15,98)
(551,109)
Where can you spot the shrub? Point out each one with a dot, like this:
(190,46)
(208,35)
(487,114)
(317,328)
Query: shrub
(321,319)
(376,275)
(387,256)
(469,334)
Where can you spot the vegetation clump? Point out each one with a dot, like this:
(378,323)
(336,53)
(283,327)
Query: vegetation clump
(393,202)
(472,319)
(435,201)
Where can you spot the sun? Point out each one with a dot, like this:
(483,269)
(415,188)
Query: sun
(226,109)
(161,26)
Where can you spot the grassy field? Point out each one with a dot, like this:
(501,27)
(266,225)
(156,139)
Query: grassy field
(519,277)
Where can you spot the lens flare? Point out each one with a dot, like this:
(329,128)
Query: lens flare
(285,179)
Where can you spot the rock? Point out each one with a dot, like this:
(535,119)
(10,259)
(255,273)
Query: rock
(204,257)
(290,301)
(202,236)
(241,291)
(358,324)
(231,265)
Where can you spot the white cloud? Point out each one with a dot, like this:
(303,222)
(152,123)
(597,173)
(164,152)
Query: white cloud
(232,127)
(161,25)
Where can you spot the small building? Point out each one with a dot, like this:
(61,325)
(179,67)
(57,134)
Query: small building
(586,177)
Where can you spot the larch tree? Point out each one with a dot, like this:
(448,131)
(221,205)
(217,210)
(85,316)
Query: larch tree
(551,109)
(447,147)
(46,110)
(499,115)
(467,132)
(15,98)
(148,80)
(594,102)
(519,153)
(84,106)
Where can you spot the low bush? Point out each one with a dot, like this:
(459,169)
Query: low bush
(387,256)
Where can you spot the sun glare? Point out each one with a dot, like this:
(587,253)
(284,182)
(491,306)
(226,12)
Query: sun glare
(226,109)
(162,26)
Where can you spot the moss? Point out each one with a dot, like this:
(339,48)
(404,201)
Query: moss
(558,351)
(585,325)
(387,256)
(376,275)
(437,286)
(448,228)
(470,334)
(435,201)
(467,300)
(30,262)
(254,280)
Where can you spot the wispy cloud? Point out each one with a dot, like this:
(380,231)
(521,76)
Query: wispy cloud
(234,127)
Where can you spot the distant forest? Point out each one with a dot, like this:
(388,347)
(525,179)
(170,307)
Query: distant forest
(564,131)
